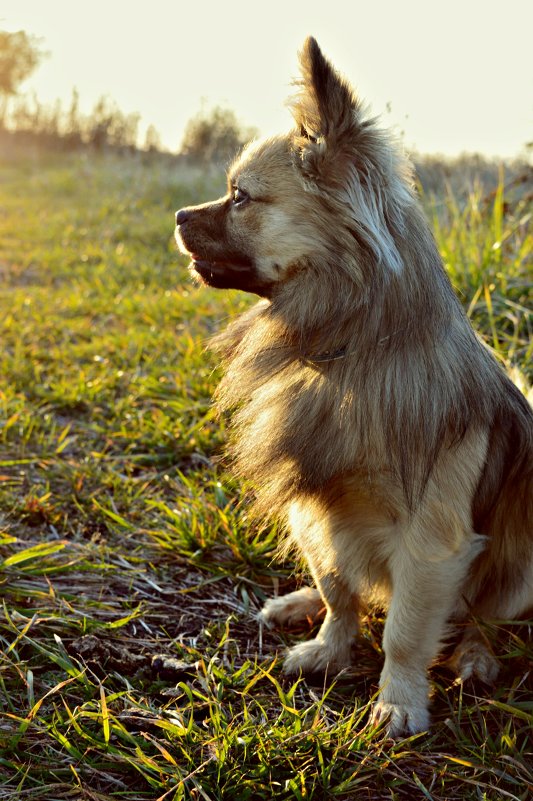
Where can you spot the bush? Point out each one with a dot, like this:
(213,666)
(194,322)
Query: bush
(214,135)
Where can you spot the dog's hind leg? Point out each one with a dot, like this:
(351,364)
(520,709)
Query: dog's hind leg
(473,657)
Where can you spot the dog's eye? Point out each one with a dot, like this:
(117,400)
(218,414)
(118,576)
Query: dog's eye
(240,197)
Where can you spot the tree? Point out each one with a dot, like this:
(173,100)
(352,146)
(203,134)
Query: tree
(20,54)
(214,135)
(109,126)
(152,140)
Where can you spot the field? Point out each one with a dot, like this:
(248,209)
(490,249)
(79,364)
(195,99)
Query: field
(131,665)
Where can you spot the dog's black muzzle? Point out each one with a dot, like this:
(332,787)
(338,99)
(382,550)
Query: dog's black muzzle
(222,268)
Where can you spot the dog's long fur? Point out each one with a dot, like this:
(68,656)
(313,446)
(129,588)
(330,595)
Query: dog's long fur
(369,415)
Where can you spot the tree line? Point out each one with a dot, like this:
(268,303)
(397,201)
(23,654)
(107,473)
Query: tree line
(211,135)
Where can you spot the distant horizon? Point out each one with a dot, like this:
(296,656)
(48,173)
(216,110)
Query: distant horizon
(448,82)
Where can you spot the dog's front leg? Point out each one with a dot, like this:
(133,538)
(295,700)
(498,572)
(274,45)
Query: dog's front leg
(333,573)
(332,646)
(425,592)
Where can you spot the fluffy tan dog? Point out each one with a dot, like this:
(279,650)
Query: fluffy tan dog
(371,418)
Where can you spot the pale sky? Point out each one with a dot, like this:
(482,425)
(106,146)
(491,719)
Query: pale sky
(452,75)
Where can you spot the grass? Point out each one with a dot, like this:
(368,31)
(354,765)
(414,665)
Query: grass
(131,663)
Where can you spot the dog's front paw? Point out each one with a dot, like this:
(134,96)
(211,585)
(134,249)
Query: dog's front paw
(314,657)
(400,719)
(402,705)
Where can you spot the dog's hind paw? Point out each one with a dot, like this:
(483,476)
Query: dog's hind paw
(473,659)
(291,609)
(400,719)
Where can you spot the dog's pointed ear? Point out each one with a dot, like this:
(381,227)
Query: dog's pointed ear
(347,157)
(325,107)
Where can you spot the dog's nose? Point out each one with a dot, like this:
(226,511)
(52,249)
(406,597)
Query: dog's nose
(182,216)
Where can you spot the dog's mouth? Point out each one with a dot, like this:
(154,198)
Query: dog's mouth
(237,273)
(220,274)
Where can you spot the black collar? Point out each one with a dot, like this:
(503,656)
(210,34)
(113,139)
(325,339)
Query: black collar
(320,358)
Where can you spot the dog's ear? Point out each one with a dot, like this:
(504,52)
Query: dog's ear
(345,154)
(325,106)
(330,125)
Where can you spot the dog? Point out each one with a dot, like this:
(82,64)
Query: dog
(371,419)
